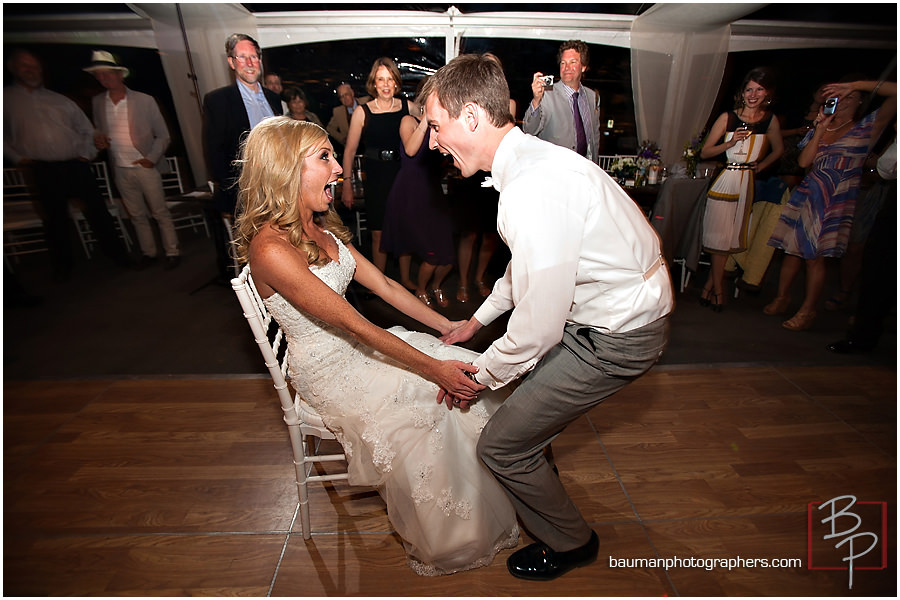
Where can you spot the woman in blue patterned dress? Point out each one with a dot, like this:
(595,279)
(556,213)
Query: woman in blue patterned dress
(816,221)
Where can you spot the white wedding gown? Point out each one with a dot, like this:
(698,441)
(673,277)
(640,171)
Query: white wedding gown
(443,502)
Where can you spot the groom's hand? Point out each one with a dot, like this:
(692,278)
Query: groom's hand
(463,333)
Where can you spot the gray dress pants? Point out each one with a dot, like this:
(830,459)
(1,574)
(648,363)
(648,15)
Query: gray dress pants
(581,371)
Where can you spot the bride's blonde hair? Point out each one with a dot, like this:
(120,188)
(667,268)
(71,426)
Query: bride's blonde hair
(272,165)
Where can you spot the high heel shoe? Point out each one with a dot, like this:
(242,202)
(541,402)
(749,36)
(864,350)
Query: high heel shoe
(483,289)
(778,306)
(800,321)
(440,298)
(425,298)
(839,301)
(462,294)
(716,304)
(704,298)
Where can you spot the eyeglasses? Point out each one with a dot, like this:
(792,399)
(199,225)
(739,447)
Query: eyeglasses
(246,59)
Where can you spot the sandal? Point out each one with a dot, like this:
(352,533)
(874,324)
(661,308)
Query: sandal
(839,301)
(462,294)
(800,321)
(440,298)
(778,306)
(425,298)
(483,289)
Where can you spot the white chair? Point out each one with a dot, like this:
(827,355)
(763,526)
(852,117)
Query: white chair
(85,234)
(229,230)
(186,213)
(23,227)
(305,427)
(606,160)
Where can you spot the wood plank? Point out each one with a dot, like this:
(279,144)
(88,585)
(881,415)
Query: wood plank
(186,487)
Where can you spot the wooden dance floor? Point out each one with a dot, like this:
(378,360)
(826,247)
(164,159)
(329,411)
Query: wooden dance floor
(158,487)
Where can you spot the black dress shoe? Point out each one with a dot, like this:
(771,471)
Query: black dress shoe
(849,347)
(172,262)
(539,562)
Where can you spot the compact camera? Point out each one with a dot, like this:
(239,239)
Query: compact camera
(547,80)
(830,106)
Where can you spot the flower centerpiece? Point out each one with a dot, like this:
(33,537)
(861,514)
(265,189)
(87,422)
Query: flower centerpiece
(648,155)
(623,168)
(648,161)
(691,155)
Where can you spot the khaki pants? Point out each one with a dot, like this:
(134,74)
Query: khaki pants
(141,188)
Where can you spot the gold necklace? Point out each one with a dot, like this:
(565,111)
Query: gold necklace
(841,126)
(384,109)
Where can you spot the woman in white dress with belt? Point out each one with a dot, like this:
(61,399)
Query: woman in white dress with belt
(751,140)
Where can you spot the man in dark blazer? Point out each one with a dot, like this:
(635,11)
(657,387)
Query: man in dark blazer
(228,114)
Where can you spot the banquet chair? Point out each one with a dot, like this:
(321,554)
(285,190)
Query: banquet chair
(228,224)
(305,427)
(113,205)
(23,227)
(186,212)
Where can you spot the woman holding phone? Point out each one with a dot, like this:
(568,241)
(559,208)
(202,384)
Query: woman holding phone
(745,135)
(816,221)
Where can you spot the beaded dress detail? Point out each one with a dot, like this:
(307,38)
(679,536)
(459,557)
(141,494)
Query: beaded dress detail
(448,508)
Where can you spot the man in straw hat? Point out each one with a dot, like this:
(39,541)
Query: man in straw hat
(51,139)
(131,127)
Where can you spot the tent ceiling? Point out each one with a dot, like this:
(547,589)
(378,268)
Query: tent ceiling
(303,26)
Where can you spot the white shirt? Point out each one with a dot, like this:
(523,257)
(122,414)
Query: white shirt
(887,162)
(120,145)
(582,252)
(43,125)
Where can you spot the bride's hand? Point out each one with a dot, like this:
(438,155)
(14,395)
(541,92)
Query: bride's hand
(461,333)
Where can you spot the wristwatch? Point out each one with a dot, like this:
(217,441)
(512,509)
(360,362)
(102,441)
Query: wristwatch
(471,376)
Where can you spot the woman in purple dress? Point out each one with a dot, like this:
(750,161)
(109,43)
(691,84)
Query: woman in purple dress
(816,221)
(417,218)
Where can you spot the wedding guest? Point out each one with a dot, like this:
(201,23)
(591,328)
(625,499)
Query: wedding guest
(377,127)
(130,125)
(298,105)
(566,113)
(339,124)
(272,82)
(751,139)
(50,138)
(816,222)
(417,219)
(228,114)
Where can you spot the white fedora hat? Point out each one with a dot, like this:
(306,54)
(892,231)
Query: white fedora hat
(101,59)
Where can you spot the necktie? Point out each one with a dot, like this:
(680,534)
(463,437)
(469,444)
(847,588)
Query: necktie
(580,139)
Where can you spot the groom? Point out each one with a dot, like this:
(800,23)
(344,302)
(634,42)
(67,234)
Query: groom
(589,291)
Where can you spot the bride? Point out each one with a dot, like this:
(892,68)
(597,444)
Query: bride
(380,391)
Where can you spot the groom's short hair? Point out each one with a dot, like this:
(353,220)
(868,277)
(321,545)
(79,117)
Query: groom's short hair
(474,78)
